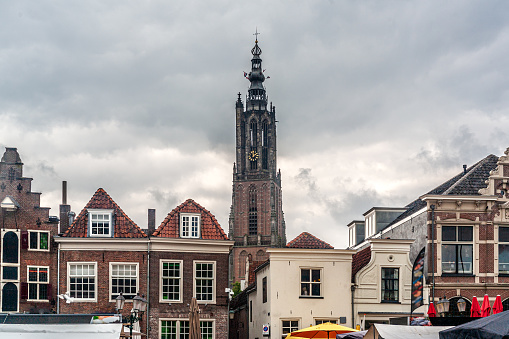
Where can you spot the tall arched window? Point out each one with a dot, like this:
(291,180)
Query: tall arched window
(253,133)
(253,212)
(265,145)
(242,264)
(10,248)
(9,297)
(253,151)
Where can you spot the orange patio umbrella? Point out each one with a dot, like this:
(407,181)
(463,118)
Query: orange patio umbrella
(325,330)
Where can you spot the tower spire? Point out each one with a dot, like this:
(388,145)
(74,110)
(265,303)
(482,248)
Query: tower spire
(257,98)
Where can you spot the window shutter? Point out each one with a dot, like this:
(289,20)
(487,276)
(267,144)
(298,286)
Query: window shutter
(24,290)
(24,240)
(50,292)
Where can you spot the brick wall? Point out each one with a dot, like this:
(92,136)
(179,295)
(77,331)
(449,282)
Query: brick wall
(217,312)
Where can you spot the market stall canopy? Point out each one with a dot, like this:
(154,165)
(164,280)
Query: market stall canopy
(352,335)
(62,331)
(386,331)
(325,330)
(493,327)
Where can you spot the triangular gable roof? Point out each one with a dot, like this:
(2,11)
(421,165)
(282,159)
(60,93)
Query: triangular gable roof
(210,228)
(124,226)
(307,240)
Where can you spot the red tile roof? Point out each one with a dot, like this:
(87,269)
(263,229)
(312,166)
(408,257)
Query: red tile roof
(307,240)
(253,265)
(124,226)
(210,228)
(359,260)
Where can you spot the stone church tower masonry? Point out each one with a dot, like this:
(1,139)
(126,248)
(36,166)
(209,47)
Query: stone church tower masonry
(256,215)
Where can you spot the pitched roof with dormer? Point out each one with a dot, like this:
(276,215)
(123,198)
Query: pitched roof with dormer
(307,240)
(468,182)
(210,228)
(124,227)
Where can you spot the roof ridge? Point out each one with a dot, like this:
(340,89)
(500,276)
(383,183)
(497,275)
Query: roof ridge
(466,175)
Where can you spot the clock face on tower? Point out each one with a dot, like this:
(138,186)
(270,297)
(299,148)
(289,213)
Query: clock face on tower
(253,156)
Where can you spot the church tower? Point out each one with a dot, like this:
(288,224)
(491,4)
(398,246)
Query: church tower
(256,215)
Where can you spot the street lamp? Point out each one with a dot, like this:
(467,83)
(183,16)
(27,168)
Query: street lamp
(462,305)
(136,315)
(443,306)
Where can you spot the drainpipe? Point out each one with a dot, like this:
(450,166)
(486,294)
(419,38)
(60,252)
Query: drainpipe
(58,279)
(352,289)
(148,286)
(432,253)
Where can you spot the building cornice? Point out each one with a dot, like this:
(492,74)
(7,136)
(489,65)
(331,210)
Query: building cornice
(141,244)
(431,197)
(310,254)
(104,244)
(191,245)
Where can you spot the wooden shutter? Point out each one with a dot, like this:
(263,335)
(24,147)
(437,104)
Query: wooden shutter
(24,240)
(24,290)
(50,292)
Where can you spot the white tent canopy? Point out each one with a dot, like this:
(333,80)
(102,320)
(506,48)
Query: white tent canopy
(60,331)
(386,331)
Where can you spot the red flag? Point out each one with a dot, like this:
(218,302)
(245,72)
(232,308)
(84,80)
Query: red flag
(486,308)
(431,310)
(475,309)
(497,305)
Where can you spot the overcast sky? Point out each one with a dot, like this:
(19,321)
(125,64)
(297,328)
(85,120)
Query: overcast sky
(377,101)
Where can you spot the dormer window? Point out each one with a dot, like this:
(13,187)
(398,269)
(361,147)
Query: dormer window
(100,223)
(189,225)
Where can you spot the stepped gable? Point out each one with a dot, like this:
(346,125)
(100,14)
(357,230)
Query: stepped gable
(210,228)
(124,226)
(307,240)
(359,260)
(468,183)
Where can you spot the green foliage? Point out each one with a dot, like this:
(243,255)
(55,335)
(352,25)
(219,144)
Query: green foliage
(236,288)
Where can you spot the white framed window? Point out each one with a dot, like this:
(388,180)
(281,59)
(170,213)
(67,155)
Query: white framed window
(100,223)
(321,321)
(171,281)
(38,279)
(503,250)
(457,249)
(123,278)
(82,277)
(310,282)
(38,240)
(390,284)
(207,328)
(178,328)
(288,326)
(189,225)
(204,281)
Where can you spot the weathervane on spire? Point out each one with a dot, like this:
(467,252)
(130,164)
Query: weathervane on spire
(256,34)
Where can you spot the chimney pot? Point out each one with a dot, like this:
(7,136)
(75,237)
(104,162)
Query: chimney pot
(151,220)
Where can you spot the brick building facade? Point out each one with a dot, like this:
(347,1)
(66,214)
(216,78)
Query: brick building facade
(104,253)
(28,254)
(256,215)
(189,258)
(469,254)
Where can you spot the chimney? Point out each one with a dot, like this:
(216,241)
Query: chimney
(464,169)
(151,220)
(64,210)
